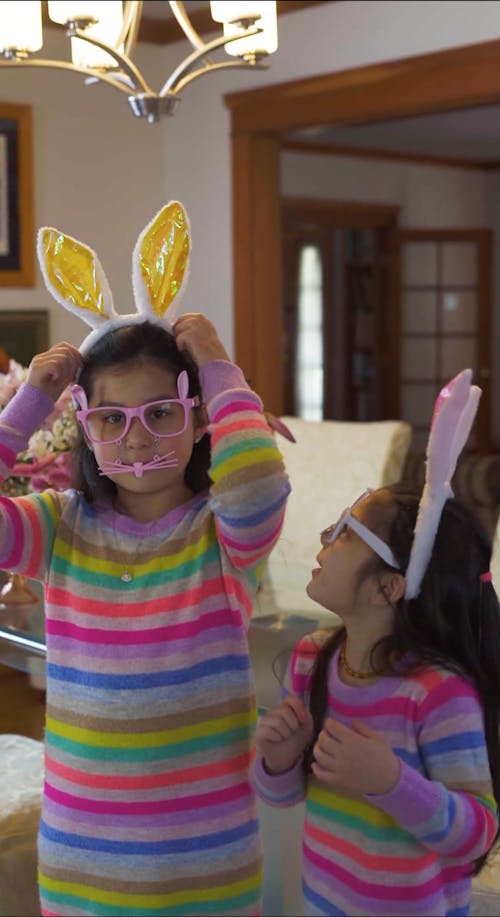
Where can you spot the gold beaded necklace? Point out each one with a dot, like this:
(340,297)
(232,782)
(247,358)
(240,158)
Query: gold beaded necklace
(347,668)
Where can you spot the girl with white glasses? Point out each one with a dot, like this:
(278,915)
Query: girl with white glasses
(389,725)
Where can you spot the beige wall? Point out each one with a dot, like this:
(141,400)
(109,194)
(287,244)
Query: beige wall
(428,196)
(98,175)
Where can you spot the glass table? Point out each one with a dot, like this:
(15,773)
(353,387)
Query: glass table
(271,640)
(22,626)
(18,650)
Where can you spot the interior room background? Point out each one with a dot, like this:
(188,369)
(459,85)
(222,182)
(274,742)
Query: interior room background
(100,173)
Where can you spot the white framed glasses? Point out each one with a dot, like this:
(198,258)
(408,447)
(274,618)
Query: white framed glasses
(330,534)
(108,424)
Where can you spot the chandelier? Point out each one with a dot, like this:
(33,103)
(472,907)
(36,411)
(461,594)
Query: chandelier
(103,36)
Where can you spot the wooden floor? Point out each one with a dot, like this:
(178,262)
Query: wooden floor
(22,708)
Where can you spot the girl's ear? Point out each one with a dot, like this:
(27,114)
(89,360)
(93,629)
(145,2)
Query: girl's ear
(390,588)
(200,423)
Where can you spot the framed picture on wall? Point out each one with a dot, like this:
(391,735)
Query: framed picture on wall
(22,335)
(17,260)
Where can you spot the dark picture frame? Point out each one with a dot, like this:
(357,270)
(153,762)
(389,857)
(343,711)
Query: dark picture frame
(23,334)
(17,263)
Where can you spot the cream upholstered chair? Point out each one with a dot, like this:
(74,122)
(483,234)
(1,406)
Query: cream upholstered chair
(486,891)
(330,464)
(20,805)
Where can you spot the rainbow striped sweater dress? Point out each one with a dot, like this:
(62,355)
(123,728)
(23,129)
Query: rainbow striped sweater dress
(148,807)
(409,851)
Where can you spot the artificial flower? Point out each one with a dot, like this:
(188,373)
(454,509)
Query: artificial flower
(48,459)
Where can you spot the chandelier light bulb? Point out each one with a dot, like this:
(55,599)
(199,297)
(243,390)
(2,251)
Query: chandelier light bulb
(67,11)
(235,14)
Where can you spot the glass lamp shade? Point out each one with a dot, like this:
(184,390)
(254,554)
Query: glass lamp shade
(64,11)
(229,12)
(109,16)
(21,25)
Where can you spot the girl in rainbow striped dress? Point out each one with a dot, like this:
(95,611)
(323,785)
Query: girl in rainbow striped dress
(389,725)
(151,566)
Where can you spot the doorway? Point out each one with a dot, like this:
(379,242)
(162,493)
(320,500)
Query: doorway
(337,309)
(455,79)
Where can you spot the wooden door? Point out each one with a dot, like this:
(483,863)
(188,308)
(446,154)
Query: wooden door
(335,310)
(442,290)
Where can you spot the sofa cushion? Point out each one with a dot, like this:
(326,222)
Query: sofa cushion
(20,807)
(486,889)
(330,464)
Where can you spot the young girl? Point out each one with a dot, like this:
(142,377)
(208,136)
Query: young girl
(151,567)
(389,727)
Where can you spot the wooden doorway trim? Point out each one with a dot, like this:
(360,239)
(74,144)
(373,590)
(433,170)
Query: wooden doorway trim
(353,214)
(442,81)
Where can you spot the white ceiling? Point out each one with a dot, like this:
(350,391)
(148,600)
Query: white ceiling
(160,9)
(472,133)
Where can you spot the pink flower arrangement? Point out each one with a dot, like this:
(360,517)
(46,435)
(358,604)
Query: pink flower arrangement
(48,459)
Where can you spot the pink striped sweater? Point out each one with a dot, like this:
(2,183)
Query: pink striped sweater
(148,808)
(409,851)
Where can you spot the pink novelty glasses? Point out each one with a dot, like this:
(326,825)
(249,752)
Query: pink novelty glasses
(373,541)
(111,423)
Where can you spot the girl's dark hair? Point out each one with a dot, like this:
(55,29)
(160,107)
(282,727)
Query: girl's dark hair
(454,622)
(124,345)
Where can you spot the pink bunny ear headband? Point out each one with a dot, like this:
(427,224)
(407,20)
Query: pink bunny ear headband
(74,276)
(454,413)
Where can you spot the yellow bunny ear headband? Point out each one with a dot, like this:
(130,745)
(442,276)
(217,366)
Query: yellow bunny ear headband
(74,276)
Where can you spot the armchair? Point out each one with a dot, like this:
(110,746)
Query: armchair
(329,465)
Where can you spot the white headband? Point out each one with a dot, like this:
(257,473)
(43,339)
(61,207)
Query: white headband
(454,413)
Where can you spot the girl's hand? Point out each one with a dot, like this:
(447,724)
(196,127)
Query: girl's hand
(283,734)
(355,760)
(196,334)
(53,370)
